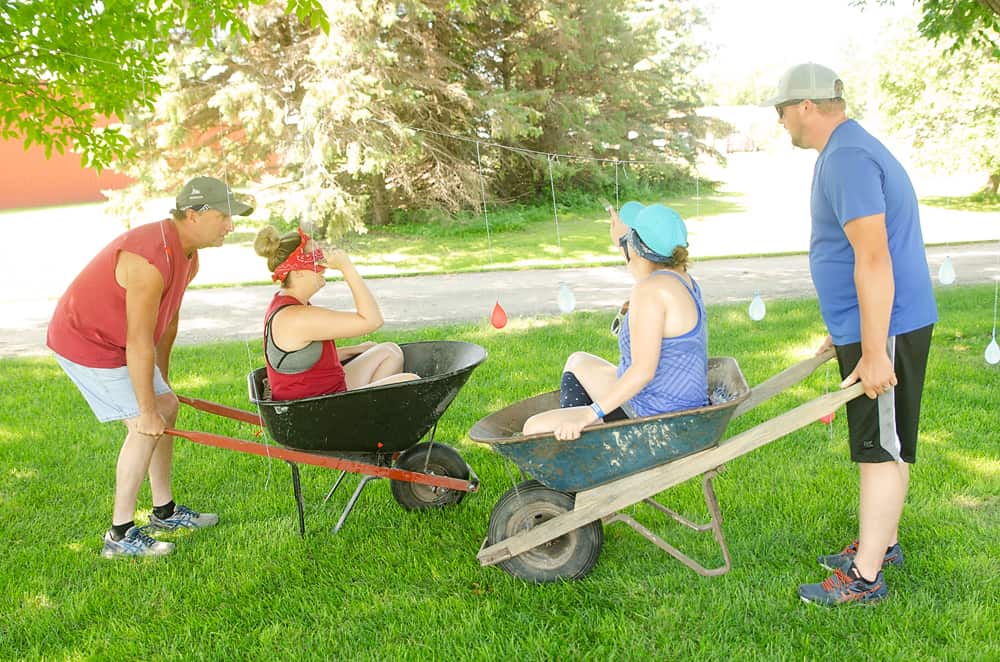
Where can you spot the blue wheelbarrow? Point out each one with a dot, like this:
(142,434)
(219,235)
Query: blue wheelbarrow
(550,528)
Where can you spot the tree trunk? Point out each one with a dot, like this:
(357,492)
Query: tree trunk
(992,184)
(379,200)
(995,6)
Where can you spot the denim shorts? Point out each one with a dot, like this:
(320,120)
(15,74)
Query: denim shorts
(109,391)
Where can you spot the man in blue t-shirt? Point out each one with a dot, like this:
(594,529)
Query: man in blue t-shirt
(868,264)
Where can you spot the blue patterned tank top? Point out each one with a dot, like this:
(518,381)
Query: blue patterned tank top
(681,378)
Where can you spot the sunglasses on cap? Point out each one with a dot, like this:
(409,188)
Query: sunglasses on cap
(616,323)
(623,244)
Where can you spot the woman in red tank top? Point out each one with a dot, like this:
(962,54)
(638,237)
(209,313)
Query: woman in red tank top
(299,338)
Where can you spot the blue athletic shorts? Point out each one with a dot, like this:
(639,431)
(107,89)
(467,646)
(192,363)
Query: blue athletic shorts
(109,391)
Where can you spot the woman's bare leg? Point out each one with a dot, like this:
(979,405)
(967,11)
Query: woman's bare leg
(381,361)
(595,375)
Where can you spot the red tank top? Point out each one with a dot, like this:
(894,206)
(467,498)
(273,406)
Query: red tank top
(324,377)
(89,324)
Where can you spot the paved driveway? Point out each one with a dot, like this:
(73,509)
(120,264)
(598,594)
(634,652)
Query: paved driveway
(236,313)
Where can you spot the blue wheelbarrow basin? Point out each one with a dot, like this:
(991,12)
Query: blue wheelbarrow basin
(380,419)
(610,451)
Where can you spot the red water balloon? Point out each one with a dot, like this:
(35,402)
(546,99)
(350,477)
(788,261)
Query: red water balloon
(828,418)
(499,316)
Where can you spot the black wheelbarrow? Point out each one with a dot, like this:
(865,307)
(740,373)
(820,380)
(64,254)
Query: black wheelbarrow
(372,431)
(550,528)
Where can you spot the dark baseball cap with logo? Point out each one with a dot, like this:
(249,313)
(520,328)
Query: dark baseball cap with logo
(210,193)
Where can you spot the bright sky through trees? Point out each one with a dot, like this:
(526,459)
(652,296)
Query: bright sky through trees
(763,37)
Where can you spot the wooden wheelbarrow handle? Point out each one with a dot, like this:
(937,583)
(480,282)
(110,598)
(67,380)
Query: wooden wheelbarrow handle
(781,382)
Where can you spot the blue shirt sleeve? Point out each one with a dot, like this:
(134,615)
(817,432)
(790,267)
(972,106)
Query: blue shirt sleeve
(853,184)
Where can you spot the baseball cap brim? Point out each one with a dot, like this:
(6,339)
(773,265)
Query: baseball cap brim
(629,211)
(232,207)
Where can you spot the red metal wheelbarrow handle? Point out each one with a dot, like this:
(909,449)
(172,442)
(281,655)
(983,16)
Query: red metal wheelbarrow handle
(303,457)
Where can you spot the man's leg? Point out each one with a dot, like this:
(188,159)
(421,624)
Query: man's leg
(883,491)
(161,460)
(136,459)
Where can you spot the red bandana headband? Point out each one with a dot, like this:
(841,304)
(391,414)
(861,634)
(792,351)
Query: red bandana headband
(300,260)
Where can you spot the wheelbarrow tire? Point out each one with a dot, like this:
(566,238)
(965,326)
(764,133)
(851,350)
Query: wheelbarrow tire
(429,458)
(570,556)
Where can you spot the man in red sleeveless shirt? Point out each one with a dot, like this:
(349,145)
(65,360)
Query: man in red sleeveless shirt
(112,332)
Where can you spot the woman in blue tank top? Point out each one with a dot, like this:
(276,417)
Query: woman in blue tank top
(662,334)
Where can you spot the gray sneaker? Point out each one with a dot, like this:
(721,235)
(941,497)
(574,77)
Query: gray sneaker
(183,518)
(135,543)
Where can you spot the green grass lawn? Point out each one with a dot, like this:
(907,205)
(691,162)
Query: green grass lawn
(981,201)
(400,585)
(521,237)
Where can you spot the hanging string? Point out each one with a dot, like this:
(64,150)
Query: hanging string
(697,195)
(521,150)
(555,209)
(996,289)
(618,204)
(486,215)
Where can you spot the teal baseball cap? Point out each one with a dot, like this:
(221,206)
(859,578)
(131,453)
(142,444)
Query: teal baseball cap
(659,227)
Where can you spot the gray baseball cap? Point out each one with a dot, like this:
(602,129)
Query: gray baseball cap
(807,81)
(211,193)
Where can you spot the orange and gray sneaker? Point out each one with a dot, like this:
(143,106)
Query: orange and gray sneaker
(843,559)
(844,588)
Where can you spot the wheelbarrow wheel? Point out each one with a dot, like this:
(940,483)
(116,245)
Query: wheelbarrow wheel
(429,458)
(528,505)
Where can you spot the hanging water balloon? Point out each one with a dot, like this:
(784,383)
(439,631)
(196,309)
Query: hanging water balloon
(757,309)
(946,274)
(498,318)
(992,354)
(567,302)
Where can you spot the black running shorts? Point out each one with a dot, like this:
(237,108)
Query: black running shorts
(885,429)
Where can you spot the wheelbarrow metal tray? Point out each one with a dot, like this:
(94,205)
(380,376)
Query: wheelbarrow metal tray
(613,450)
(381,419)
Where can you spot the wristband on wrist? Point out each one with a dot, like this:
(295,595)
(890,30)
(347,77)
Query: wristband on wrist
(597,410)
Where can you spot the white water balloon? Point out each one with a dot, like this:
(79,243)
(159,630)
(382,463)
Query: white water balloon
(946,274)
(567,301)
(757,308)
(992,353)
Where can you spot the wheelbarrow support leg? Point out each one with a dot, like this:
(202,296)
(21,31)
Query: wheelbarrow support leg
(297,487)
(333,489)
(714,525)
(353,500)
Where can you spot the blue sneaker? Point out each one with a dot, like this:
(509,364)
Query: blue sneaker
(183,518)
(844,559)
(135,543)
(844,588)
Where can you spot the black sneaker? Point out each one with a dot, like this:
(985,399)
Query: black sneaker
(844,559)
(183,518)
(844,588)
(135,543)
